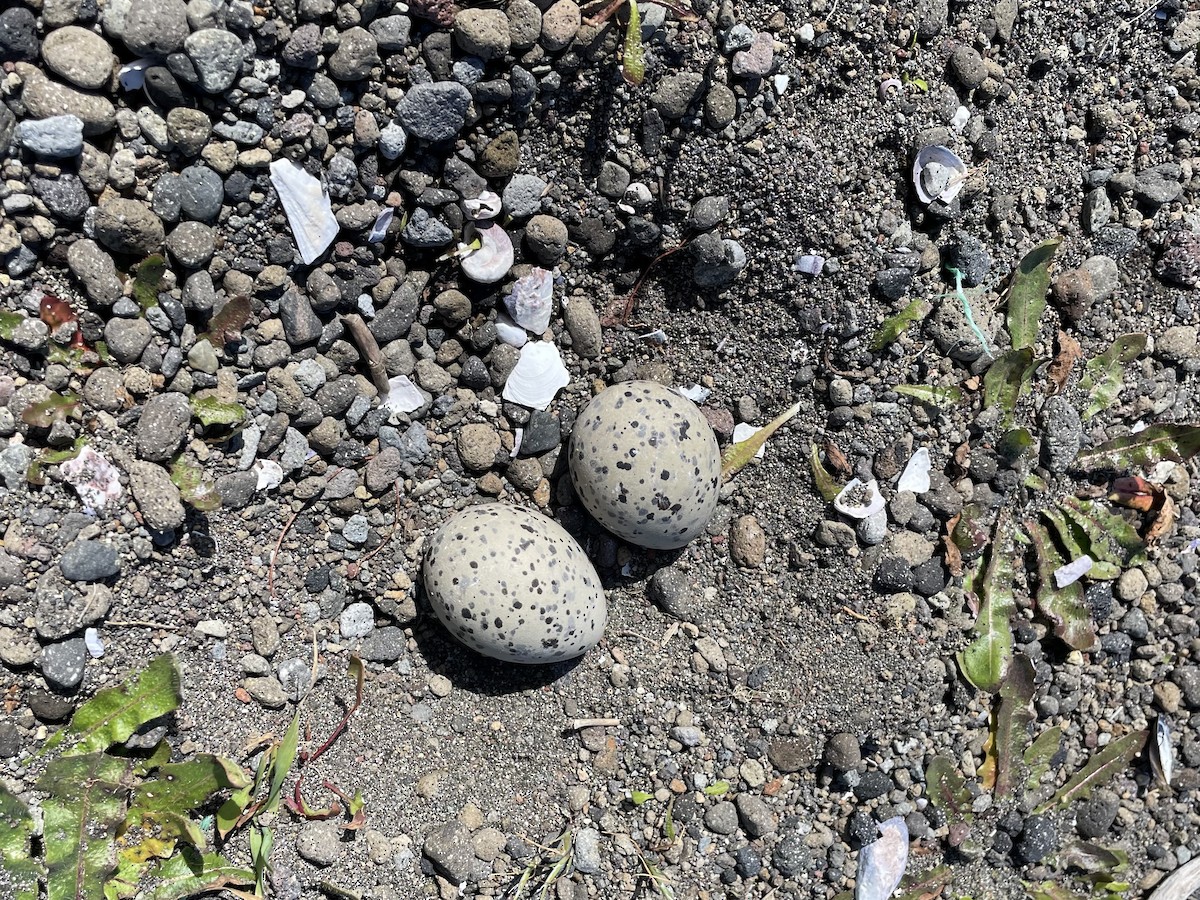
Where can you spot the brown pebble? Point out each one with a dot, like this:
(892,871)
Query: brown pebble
(747,542)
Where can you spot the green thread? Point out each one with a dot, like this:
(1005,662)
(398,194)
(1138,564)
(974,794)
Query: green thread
(966,304)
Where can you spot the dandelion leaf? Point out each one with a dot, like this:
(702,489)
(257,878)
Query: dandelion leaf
(738,455)
(1101,768)
(1103,375)
(1065,607)
(1176,442)
(19,872)
(893,327)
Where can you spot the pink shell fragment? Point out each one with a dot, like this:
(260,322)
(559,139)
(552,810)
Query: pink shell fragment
(96,480)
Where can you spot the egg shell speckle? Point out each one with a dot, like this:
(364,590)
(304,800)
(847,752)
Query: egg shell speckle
(645,464)
(514,585)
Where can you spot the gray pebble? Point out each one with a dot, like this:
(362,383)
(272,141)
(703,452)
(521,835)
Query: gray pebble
(89,561)
(448,847)
(434,111)
(63,664)
(163,426)
(319,843)
(59,137)
(721,818)
(217,56)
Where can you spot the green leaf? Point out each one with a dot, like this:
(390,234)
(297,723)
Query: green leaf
(947,790)
(9,322)
(183,786)
(986,659)
(1065,607)
(46,412)
(633,58)
(892,328)
(1048,890)
(717,788)
(148,280)
(190,872)
(637,798)
(1103,766)
(1110,536)
(669,822)
(86,804)
(1027,295)
(261,839)
(1103,375)
(1010,723)
(1093,860)
(738,455)
(1014,444)
(826,486)
(1037,758)
(932,395)
(19,871)
(231,810)
(1007,379)
(211,411)
(1177,443)
(285,755)
(116,713)
(195,489)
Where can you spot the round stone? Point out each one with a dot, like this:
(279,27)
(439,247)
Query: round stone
(514,585)
(128,226)
(645,464)
(217,55)
(80,56)
(155,27)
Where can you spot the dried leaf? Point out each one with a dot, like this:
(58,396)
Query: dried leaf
(1177,442)
(1010,722)
(836,459)
(933,395)
(1104,374)
(226,326)
(116,713)
(1066,606)
(1059,371)
(1137,493)
(892,328)
(633,57)
(986,659)
(19,871)
(1180,884)
(1092,858)
(1101,768)
(1027,294)
(1007,379)
(738,455)
(1162,523)
(1039,755)
(826,486)
(148,280)
(954,560)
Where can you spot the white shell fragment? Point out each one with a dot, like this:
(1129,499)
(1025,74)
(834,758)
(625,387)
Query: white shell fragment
(960,118)
(307,206)
(93,642)
(94,478)
(270,474)
(743,432)
(403,396)
(510,332)
(537,377)
(133,75)
(1162,757)
(657,336)
(809,264)
(694,392)
(938,174)
(493,259)
(532,300)
(915,476)
(859,500)
(881,864)
(1070,573)
(486,206)
(379,229)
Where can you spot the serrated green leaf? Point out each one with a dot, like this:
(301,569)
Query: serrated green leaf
(717,788)
(1110,537)
(1027,295)
(933,395)
(1103,375)
(190,872)
(1037,758)
(19,871)
(1065,607)
(633,57)
(893,327)
(1014,444)
(85,806)
(1101,768)
(947,790)
(195,489)
(46,412)
(183,786)
(1177,443)
(116,713)
(211,411)
(9,322)
(1011,719)
(986,659)
(148,280)
(826,486)
(1007,380)
(738,455)
(637,798)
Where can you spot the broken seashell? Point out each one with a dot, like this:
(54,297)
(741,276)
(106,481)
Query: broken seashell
(307,207)
(510,332)
(403,396)
(881,863)
(379,229)
(960,118)
(486,206)
(270,474)
(915,476)
(492,260)
(938,174)
(133,75)
(859,499)
(1071,572)
(94,478)
(657,336)
(887,86)
(1162,757)
(694,392)
(532,300)
(537,377)
(809,264)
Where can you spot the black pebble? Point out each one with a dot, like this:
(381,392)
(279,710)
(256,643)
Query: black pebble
(163,90)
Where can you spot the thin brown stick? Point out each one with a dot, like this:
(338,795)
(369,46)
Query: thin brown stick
(287,526)
(580,724)
(848,611)
(631,297)
(370,348)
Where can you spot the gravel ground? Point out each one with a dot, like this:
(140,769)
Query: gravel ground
(802,657)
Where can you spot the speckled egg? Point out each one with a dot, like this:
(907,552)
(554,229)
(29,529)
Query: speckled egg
(514,585)
(645,463)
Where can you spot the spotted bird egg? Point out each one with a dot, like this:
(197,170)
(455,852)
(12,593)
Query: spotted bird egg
(645,464)
(514,585)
